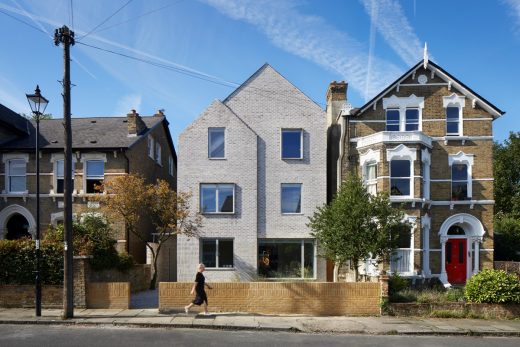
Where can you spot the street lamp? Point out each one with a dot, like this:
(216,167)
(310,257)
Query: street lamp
(38,105)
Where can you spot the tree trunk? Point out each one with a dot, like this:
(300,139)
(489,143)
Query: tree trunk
(155,255)
(336,272)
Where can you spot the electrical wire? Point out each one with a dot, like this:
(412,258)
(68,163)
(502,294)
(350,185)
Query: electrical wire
(219,81)
(24,22)
(106,20)
(72,14)
(142,15)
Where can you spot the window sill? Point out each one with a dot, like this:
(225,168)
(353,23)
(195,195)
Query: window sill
(292,158)
(285,279)
(217,213)
(211,158)
(292,214)
(220,269)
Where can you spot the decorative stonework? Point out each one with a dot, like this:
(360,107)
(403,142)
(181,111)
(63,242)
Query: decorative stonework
(394,137)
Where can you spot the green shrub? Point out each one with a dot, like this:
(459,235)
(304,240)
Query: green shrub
(18,262)
(493,286)
(396,284)
(405,295)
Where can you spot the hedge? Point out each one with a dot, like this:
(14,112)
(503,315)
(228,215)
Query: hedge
(18,262)
(493,286)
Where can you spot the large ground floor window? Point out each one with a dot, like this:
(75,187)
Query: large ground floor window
(286,258)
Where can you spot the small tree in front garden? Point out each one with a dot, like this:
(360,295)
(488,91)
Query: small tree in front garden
(129,198)
(356,225)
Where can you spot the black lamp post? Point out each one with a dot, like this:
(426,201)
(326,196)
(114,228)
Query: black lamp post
(38,105)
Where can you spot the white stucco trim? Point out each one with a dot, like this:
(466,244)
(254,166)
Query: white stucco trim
(402,103)
(426,226)
(371,156)
(7,212)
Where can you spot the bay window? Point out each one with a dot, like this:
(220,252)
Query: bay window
(371,178)
(400,177)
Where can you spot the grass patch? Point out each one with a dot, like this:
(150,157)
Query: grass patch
(448,314)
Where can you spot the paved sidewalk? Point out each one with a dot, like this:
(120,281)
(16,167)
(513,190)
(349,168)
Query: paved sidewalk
(296,323)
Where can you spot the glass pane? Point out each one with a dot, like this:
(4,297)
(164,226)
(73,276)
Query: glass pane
(216,147)
(412,115)
(405,238)
(412,126)
(452,113)
(17,184)
(17,167)
(209,253)
(225,198)
(459,172)
(60,186)
(95,168)
(400,168)
(291,143)
(291,198)
(208,198)
(93,186)
(371,173)
(400,186)
(459,190)
(225,253)
(280,260)
(308,259)
(392,120)
(59,169)
(452,127)
(456,230)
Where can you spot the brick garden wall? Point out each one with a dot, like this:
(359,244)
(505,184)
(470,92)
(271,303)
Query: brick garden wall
(314,298)
(109,295)
(24,296)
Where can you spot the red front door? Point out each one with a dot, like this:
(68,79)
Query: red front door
(456,261)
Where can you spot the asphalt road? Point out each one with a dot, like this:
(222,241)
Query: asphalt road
(45,335)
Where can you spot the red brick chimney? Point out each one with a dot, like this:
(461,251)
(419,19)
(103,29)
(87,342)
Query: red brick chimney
(135,124)
(336,96)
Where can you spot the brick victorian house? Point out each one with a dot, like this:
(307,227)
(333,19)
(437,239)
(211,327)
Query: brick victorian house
(427,140)
(256,165)
(103,148)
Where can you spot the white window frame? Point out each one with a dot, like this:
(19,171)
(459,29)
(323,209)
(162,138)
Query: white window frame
(170,165)
(465,159)
(217,255)
(411,251)
(301,198)
(402,104)
(301,143)
(88,157)
(216,198)
(151,152)
(55,158)
(158,153)
(371,157)
(6,159)
(454,101)
(426,164)
(402,152)
(215,129)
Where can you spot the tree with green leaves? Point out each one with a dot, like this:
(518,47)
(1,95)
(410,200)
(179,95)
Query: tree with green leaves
(356,225)
(506,167)
(33,116)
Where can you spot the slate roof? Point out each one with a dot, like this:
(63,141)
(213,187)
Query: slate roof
(13,121)
(87,133)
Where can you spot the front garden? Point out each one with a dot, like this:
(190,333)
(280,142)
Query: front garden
(489,294)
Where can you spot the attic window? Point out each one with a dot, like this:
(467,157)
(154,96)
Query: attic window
(93,121)
(54,141)
(93,141)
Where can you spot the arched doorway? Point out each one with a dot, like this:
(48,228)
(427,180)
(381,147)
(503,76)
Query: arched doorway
(17,227)
(17,221)
(460,237)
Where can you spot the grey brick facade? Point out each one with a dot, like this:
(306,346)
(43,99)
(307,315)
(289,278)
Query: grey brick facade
(253,117)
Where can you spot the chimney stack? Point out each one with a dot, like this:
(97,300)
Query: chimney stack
(160,113)
(135,124)
(336,96)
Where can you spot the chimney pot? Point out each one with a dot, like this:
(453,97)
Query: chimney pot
(135,123)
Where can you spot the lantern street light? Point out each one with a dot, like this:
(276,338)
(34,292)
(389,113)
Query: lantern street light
(38,105)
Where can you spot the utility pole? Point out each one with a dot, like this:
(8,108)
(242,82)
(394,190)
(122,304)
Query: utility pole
(66,36)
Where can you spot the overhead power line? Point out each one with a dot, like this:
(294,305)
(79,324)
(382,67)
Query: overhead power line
(105,20)
(23,22)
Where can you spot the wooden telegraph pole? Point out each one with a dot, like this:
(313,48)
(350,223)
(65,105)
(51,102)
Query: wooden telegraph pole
(65,36)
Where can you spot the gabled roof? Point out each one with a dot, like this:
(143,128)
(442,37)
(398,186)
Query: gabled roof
(446,76)
(13,121)
(87,133)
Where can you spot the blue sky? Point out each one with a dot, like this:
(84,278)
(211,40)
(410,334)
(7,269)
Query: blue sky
(222,42)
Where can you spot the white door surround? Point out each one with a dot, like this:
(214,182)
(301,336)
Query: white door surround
(474,232)
(11,210)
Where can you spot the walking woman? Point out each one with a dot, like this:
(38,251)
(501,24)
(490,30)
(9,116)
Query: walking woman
(198,288)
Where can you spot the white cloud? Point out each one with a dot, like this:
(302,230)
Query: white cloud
(310,37)
(392,24)
(127,103)
(515,7)
(12,97)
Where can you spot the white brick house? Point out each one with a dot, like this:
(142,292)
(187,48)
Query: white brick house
(256,165)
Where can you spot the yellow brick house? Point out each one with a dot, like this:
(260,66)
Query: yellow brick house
(427,140)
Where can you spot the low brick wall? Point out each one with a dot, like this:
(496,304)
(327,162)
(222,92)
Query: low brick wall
(12,295)
(139,277)
(499,311)
(108,295)
(314,298)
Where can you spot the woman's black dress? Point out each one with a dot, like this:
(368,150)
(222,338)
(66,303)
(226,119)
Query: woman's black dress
(199,290)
